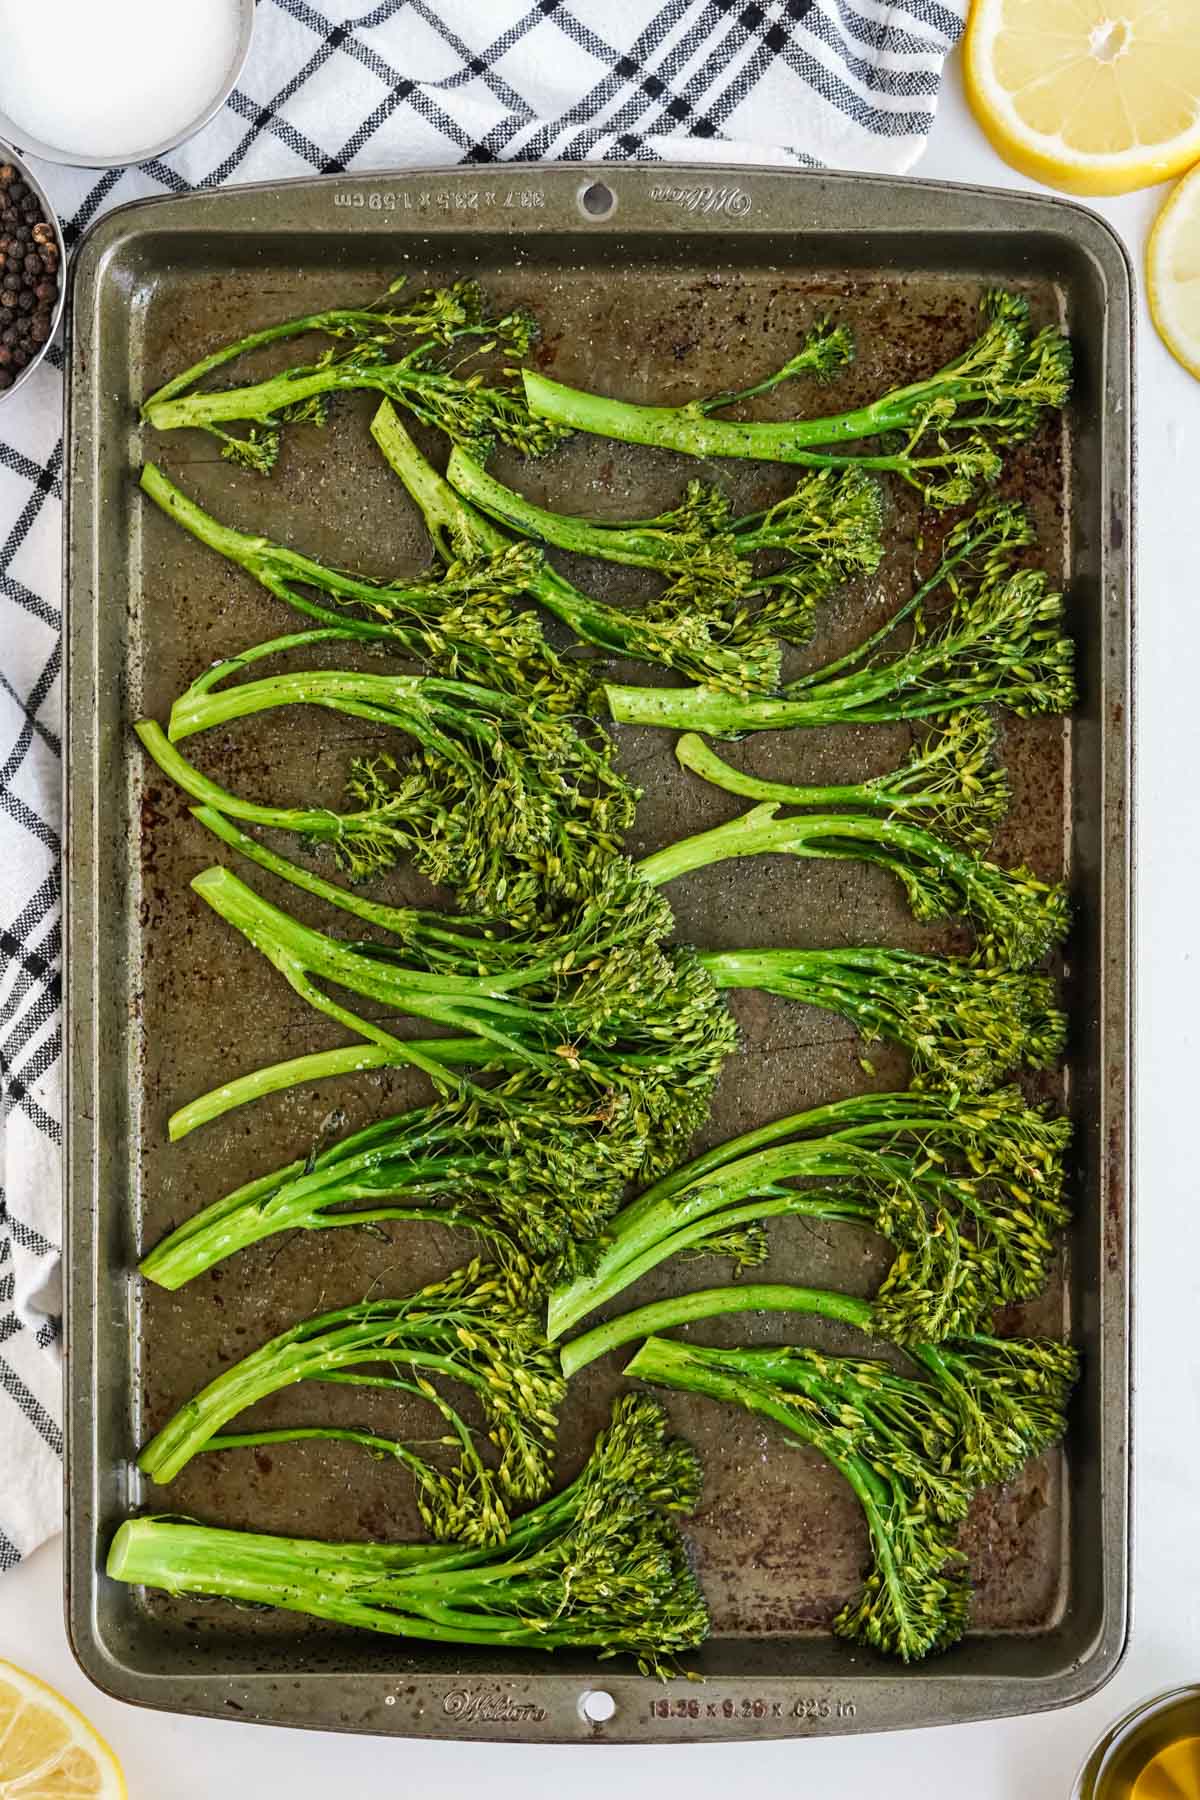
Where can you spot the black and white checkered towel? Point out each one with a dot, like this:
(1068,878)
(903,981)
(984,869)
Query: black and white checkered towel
(418,83)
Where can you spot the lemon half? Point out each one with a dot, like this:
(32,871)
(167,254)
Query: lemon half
(48,1751)
(1173,272)
(1094,96)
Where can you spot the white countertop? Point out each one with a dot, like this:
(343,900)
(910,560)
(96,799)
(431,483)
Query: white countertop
(1035,1758)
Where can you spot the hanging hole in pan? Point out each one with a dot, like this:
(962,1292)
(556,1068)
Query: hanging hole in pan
(596,1706)
(597,200)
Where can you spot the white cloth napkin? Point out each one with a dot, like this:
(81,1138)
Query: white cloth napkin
(416,83)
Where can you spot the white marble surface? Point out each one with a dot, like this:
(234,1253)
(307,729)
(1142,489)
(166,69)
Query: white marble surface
(1022,1759)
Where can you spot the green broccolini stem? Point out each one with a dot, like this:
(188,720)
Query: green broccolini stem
(826,529)
(438,388)
(599,1017)
(965,1241)
(597,1565)
(695,1229)
(1018,917)
(496,796)
(682,643)
(217,802)
(645,545)
(693,432)
(1000,641)
(915,1599)
(543,1168)
(949,778)
(459,620)
(442,316)
(321,1065)
(994,394)
(961,1023)
(711,1303)
(475,1328)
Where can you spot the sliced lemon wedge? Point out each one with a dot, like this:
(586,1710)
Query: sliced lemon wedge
(48,1751)
(1173,272)
(1093,96)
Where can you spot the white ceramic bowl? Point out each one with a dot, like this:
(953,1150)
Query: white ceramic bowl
(51,153)
(9,155)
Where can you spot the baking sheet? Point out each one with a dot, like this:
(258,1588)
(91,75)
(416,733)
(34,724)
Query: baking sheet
(665,296)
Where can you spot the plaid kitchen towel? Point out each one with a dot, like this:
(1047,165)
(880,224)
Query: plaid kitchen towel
(846,83)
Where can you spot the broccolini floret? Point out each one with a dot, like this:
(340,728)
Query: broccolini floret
(476,1328)
(969,1190)
(826,530)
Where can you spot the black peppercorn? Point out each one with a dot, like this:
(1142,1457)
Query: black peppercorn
(29,274)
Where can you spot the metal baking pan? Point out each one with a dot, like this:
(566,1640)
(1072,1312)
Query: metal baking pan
(650,281)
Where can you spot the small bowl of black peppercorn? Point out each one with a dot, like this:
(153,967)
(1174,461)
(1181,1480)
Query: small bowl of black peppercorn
(32,268)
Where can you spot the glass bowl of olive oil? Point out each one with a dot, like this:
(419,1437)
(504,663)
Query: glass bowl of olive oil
(1153,1753)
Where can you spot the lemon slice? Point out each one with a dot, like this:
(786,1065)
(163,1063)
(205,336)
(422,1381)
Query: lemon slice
(1173,272)
(48,1751)
(1094,96)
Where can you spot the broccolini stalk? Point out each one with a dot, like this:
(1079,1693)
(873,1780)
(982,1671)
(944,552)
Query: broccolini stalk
(681,641)
(495,804)
(1008,1395)
(999,641)
(459,622)
(619,1017)
(1017,917)
(598,1566)
(512,1164)
(445,1054)
(963,1025)
(889,1439)
(968,1191)
(500,799)
(434,380)
(475,1328)
(948,778)
(828,529)
(947,428)
(443,314)
(912,1451)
